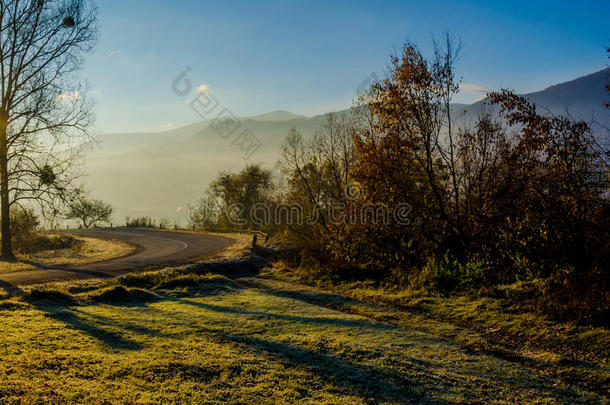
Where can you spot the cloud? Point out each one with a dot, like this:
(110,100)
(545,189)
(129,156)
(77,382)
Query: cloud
(204,88)
(70,96)
(178,209)
(167,125)
(473,88)
(114,52)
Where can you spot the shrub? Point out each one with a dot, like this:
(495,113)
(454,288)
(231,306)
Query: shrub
(142,222)
(142,280)
(451,274)
(119,295)
(49,296)
(57,242)
(579,297)
(24,229)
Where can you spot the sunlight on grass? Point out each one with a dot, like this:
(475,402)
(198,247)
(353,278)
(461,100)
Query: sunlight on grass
(90,251)
(206,338)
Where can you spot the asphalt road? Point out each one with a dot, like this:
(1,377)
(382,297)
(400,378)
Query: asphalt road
(154,249)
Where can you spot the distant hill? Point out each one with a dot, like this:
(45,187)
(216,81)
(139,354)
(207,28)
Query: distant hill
(277,116)
(582,98)
(158,174)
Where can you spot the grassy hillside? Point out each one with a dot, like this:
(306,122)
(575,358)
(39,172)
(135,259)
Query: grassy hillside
(191,336)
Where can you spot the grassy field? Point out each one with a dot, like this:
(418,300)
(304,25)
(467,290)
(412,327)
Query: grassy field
(190,336)
(89,251)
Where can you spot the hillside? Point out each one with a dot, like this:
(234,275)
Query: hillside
(581,98)
(158,174)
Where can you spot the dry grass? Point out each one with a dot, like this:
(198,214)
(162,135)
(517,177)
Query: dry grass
(185,335)
(91,250)
(574,353)
(171,337)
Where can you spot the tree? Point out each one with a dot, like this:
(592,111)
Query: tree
(89,211)
(44,112)
(554,190)
(410,153)
(237,193)
(165,223)
(318,173)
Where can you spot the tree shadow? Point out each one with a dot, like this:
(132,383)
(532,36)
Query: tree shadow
(290,318)
(73,320)
(34,264)
(136,328)
(565,368)
(197,288)
(321,299)
(59,306)
(119,296)
(10,288)
(369,383)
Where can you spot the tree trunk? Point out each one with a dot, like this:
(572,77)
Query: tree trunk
(7,250)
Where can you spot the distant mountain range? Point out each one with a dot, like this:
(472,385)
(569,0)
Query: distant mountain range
(158,174)
(582,98)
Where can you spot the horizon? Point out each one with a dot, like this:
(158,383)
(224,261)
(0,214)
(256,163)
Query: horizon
(298,115)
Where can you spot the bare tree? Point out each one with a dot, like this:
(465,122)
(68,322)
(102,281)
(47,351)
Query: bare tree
(89,211)
(44,112)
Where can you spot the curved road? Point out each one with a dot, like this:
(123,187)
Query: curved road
(154,249)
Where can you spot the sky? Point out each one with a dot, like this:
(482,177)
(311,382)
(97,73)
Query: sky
(311,57)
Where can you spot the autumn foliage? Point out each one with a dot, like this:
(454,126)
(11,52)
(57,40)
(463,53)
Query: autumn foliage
(448,205)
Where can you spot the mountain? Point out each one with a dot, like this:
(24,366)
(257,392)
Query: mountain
(582,98)
(159,174)
(277,116)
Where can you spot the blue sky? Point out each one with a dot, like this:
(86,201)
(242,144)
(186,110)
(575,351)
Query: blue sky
(309,57)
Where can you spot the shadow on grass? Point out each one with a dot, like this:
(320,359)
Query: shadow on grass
(57,305)
(365,381)
(108,338)
(125,325)
(570,371)
(123,297)
(321,299)
(204,288)
(10,288)
(400,380)
(32,263)
(290,318)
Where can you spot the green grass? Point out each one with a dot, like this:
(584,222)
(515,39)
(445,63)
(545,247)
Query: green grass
(574,353)
(171,337)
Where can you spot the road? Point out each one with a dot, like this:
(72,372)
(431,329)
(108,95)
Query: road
(154,249)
